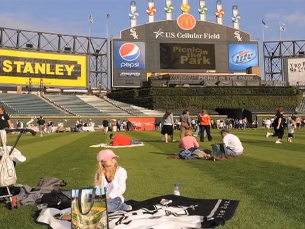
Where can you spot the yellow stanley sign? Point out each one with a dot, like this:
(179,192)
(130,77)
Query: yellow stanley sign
(22,67)
(18,67)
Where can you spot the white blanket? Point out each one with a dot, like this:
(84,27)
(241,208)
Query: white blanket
(47,216)
(105,145)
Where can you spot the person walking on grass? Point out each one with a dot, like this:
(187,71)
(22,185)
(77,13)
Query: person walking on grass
(278,126)
(291,130)
(205,125)
(41,124)
(185,120)
(168,126)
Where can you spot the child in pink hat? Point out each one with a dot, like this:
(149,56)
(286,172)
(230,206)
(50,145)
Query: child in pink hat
(113,177)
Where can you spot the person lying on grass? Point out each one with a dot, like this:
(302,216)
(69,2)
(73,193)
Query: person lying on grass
(121,140)
(113,177)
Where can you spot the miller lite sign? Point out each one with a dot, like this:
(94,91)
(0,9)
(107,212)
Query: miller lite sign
(242,56)
(129,55)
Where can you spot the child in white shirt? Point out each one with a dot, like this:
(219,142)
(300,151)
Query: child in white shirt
(291,128)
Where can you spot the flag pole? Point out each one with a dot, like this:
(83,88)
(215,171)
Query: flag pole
(90,21)
(108,54)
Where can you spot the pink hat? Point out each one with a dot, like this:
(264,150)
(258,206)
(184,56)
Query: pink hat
(105,155)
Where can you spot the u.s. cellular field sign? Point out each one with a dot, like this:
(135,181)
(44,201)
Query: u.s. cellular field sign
(22,67)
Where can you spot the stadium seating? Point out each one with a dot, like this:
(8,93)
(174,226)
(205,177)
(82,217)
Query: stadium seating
(135,110)
(28,105)
(107,108)
(74,105)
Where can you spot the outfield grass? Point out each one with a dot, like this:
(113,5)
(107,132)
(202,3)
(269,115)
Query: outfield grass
(268,180)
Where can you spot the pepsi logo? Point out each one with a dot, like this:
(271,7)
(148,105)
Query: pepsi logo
(129,51)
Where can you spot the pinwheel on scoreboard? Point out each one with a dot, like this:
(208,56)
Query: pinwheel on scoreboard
(151,10)
(202,10)
(220,13)
(185,8)
(134,15)
(169,8)
(236,18)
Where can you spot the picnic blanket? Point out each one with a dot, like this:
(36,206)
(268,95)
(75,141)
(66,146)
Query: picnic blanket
(174,212)
(169,211)
(105,145)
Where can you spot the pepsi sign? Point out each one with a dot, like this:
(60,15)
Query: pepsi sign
(242,56)
(129,55)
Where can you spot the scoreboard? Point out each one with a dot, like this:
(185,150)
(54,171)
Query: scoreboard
(164,47)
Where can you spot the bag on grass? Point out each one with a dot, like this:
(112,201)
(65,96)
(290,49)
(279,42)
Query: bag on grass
(219,150)
(89,209)
(57,199)
(48,184)
(7,171)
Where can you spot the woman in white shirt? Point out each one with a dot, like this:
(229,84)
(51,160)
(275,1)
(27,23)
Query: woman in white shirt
(113,177)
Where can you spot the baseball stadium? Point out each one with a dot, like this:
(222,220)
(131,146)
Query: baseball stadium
(182,63)
(138,86)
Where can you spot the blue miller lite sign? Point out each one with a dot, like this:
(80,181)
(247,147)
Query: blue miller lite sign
(129,55)
(242,56)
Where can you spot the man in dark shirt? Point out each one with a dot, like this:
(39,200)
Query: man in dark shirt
(5,122)
(105,126)
(41,123)
(278,126)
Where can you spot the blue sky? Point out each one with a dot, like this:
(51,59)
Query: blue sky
(71,16)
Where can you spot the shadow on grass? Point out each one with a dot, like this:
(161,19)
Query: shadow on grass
(160,153)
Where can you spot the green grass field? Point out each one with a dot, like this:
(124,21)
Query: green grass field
(268,179)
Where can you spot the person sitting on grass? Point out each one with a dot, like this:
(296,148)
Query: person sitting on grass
(232,143)
(113,177)
(190,146)
(122,140)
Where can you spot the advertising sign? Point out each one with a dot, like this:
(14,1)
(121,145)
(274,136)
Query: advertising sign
(295,70)
(242,56)
(143,123)
(187,56)
(21,67)
(129,55)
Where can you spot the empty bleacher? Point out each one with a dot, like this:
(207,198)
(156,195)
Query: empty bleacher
(108,109)
(74,105)
(135,110)
(28,105)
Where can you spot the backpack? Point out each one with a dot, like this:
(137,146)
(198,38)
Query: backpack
(7,171)
(57,199)
(219,150)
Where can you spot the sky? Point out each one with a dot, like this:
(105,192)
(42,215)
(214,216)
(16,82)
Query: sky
(72,16)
